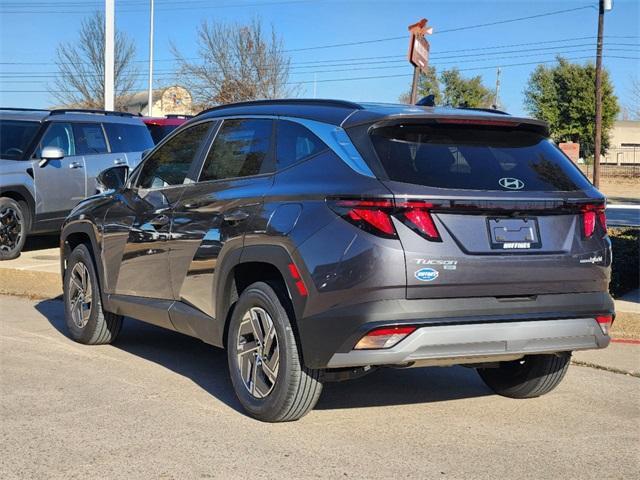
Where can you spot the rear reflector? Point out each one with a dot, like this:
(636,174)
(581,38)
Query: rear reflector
(302,288)
(605,322)
(385,337)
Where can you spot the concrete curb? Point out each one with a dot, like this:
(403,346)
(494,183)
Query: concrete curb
(30,283)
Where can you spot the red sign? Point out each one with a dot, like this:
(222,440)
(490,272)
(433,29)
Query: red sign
(418,45)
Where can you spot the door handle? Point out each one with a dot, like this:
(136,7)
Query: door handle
(160,221)
(236,216)
(75,165)
(119,161)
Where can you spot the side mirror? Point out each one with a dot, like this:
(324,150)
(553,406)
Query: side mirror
(50,153)
(114,178)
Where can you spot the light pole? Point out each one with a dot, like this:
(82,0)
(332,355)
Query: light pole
(603,5)
(150,92)
(109,58)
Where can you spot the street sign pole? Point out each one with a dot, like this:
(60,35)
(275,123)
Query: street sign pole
(150,92)
(109,31)
(414,85)
(418,53)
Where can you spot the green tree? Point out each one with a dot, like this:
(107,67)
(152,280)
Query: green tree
(564,96)
(427,85)
(459,91)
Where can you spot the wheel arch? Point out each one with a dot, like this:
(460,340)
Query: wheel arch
(21,194)
(267,263)
(77,233)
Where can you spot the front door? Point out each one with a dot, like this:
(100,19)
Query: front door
(60,184)
(136,229)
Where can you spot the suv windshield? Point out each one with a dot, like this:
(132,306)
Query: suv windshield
(15,138)
(474,158)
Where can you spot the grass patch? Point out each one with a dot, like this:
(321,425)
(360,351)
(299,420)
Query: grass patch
(625,270)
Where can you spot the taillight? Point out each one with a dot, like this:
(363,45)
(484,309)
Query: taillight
(416,215)
(605,322)
(592,215)
(374,216)
(385,337)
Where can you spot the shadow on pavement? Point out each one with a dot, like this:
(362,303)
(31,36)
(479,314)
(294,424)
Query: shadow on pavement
(207,367)
(41,242)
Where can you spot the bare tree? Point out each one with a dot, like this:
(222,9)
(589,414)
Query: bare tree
(80,80)
(633,105)
(237,62)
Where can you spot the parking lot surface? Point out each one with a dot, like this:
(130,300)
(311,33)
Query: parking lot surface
(157,404)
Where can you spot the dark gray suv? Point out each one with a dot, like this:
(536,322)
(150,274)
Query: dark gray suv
(316,240)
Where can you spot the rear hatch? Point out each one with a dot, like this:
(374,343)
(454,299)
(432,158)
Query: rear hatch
(490,208)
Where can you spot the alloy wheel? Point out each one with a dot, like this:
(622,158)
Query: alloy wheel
(258,352)
(80,294)
(10,228)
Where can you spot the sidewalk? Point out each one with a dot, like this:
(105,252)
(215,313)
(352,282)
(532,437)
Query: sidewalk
(617,357)
(34,274)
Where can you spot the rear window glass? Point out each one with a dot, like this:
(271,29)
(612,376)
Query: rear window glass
(89,139)
(158,132)
(128,138)
(478,158)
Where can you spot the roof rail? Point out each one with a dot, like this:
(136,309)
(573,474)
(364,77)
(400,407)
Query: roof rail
(288,101)
(480,109)
(61,111)
(19,109)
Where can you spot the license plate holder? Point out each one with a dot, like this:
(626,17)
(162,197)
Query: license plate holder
(508,233)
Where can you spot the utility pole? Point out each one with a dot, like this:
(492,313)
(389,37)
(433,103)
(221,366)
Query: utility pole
(603,5)
(497,97)
(150,93)
(109,57)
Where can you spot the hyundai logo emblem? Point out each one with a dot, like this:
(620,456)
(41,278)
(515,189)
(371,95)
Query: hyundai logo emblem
(511,183)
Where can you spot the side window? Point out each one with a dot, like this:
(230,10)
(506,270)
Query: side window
(59,135)
(294,143)
(170,164)
(124,137)
(89,138)
(241,149)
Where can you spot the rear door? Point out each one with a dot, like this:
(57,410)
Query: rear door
(60,184)
(487,210)
(214,214)
(127,141)
(92,145)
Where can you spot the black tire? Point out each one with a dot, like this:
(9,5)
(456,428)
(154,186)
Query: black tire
(529,377)
(296,388)
(14,225)
(101,326)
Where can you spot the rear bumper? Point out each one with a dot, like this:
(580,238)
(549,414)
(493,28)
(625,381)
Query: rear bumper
(327,335)
(481,342)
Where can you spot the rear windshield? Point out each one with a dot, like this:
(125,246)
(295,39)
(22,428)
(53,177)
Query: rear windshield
(15,138)
(474,158)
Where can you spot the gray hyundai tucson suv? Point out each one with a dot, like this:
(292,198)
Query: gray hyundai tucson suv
(317,240)
(49,160)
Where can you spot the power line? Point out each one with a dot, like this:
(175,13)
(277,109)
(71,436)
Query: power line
(375,76)
(457,29)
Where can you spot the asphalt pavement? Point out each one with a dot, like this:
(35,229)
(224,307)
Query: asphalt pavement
(158,404)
